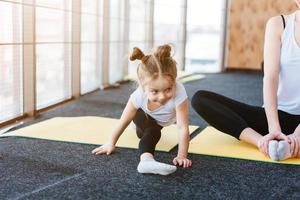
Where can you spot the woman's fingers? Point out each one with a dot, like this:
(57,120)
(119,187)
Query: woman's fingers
(282,137)
(264,142)
(298,153)
(266,147)
(295,150)
(293,144)
(260,145)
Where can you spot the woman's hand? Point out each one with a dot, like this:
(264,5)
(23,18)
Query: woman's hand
(294,142)
(182,161)
(104,149)
(263,143)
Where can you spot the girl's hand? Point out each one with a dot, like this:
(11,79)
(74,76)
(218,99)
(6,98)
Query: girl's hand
(182,161)
(104,149)
(263,143)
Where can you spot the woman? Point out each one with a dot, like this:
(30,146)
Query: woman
(274,129)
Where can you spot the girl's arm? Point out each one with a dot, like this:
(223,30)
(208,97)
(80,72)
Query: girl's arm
(127,116)
(182,113)
(271,71)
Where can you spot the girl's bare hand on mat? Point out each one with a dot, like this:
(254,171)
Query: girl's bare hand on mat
(182,161)
(263,143)
(104,149)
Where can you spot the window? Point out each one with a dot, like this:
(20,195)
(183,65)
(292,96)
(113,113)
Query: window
(116,41)
(139,28)
(11,79)
(169,28)
(204,33)
(91,45)
(53,53)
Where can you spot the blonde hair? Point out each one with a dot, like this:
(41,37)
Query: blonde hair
(160,63)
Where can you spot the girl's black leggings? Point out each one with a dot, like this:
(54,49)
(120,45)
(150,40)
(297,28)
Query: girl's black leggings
(147,130)
(232,117)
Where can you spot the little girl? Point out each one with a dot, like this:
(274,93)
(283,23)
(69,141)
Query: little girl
(159,101)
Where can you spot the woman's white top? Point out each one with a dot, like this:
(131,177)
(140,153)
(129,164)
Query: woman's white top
(289,77)
(164,115)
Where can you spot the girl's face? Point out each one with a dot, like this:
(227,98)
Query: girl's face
(160,90)
(297,3)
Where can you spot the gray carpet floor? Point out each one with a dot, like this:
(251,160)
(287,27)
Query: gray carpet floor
(41,169)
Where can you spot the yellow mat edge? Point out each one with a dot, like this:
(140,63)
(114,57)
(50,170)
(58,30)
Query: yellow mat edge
(288,161)
(11,134)
(193,77)
(247,159)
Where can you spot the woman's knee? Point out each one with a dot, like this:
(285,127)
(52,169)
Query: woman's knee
(198,99)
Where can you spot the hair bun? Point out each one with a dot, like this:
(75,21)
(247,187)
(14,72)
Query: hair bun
(136,54)
(163,51)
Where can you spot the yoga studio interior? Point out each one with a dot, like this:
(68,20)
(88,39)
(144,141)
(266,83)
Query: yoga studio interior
(66,77)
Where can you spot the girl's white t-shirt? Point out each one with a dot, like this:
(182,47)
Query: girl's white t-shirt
(289,77)
(164,115)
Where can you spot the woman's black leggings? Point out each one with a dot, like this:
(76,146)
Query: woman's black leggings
(232,117)
(147,130)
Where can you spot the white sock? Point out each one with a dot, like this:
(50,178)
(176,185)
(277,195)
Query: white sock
(150,166)
(284,150)
(273,149)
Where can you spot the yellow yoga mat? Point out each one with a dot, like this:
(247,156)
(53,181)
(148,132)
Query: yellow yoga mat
(193,77)
(92,130)
(213,142)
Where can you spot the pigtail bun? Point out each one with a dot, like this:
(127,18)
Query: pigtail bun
(158,63)
(163,52)
(136,54)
